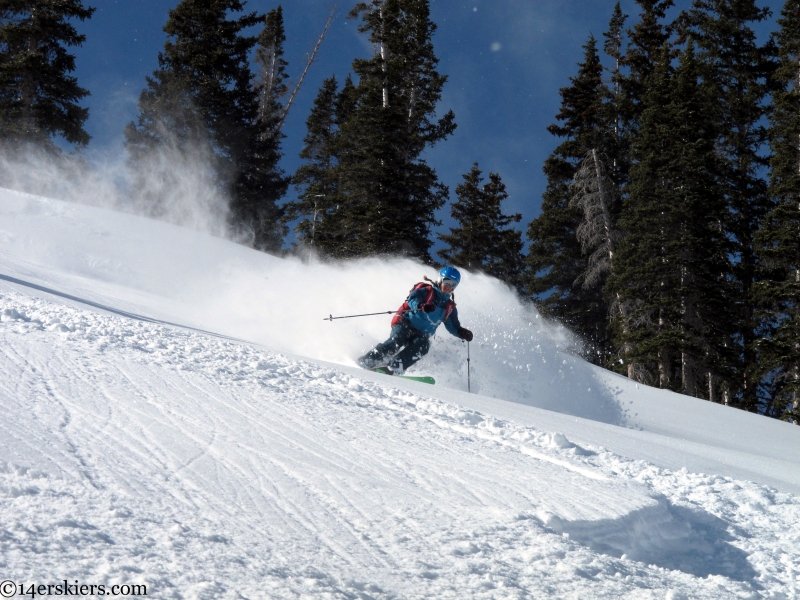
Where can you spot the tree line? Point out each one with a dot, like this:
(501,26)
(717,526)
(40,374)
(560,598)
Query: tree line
(669,235)
(220,96)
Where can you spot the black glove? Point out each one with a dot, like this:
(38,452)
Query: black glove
(465,334)
(429,307)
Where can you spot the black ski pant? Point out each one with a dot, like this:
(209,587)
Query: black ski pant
(413,342)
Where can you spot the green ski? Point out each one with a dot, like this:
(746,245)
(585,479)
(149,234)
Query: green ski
(384,371)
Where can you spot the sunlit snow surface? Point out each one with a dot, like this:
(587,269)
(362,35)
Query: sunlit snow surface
(177,413)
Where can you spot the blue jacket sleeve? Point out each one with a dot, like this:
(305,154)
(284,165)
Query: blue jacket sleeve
(452,323)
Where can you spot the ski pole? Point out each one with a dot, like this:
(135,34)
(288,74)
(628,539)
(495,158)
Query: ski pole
(469,385)
(388,312)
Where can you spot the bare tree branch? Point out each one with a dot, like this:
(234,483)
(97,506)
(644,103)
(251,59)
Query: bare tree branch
(311,58)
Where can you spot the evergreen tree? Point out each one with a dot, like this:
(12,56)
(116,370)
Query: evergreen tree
(262,182)
(347,101)
(316,178)
(671,276)
(483,240)
(614,47)
(777,293)
(555,262)
(38,97)
(741,70)
(389,194)
(617,153)
(638,261)
(202,95)
(646,42)
(328,222)
(630,78)
(633,70)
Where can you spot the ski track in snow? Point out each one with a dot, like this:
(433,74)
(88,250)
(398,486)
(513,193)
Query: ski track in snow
(208,468)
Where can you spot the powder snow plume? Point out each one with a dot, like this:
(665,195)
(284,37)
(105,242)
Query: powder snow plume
(282,304)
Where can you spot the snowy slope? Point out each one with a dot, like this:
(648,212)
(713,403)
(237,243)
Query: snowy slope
(177,413)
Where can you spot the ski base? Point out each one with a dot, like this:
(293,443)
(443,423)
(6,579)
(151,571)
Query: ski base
(424,379)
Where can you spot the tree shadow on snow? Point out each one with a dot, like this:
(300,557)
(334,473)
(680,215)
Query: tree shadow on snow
(668,536)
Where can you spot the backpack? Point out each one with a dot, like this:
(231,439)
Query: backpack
(404,308)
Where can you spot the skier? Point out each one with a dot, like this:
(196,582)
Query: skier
(427,306)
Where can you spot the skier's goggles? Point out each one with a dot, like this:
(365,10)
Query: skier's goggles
(449,282)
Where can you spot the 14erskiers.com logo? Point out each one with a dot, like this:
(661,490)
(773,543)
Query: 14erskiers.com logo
(9,589)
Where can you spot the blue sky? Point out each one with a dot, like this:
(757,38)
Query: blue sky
(505,59)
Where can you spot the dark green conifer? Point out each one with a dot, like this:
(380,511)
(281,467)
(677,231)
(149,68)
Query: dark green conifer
(38,97)
(671,274)
(555,261)
(328,222)
(614,45)
(638,263)
(740,69)
(646,42)
(389,194)
(262,182)
(484,240)
(316,178)
(777,292)
(617,153)
(347,101)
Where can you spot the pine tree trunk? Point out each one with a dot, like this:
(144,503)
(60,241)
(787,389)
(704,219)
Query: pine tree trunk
(796,374)
(606,215)
(27,95)
(412,105)
(795,396)
(664,360)
(687,374)
(627,347)
(384,59)
(747,263)
(269,83)
(711,389)
(689,319)
(725,386)
(664,368)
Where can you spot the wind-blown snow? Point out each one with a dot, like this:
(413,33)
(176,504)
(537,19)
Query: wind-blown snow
(177,413)
(179,275)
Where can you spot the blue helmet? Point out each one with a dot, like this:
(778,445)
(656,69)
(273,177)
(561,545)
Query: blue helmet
(451,274)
